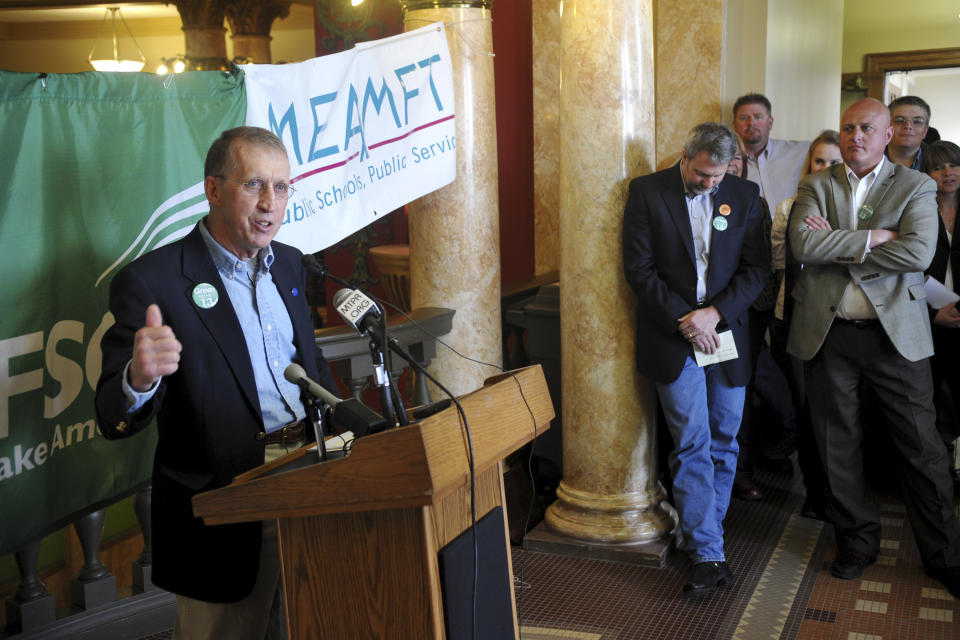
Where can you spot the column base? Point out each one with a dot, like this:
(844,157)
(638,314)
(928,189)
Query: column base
(93,593)
(23,617)
(143,576)
(650,553)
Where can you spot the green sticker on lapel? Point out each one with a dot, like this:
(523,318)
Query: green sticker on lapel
(719,223)
(205,295)
(865,213)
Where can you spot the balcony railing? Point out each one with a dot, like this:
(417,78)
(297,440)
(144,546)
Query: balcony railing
(97,608)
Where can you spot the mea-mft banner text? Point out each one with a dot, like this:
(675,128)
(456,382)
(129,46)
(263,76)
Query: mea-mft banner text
(367,131)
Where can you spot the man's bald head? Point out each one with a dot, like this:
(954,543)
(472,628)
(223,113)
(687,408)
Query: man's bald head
(864,133)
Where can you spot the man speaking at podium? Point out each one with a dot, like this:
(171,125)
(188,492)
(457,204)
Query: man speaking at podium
(204,330)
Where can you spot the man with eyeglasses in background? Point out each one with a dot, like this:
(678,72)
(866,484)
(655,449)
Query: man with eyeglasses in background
(910,117)
(204,329)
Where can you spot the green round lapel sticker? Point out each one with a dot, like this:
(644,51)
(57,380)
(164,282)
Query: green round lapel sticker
(719,223)
(205,295)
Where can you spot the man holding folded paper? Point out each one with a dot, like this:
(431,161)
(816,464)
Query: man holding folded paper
(695,255)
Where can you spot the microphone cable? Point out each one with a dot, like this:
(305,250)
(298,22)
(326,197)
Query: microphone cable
(311,263)
(529,462)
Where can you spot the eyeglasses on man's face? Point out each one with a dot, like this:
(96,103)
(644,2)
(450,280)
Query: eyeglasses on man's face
(900,121)
(257,187)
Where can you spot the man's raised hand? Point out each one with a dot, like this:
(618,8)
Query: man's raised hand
(156,352)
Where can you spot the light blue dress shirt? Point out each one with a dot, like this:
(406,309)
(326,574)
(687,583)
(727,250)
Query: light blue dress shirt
(700,209)
(267,330)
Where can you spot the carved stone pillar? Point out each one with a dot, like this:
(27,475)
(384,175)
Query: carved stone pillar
(203,31)
(251,21)
(95,585)
(610,498)
(143,565)
(31,606)
(455,231)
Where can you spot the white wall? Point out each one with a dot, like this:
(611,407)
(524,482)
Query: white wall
(791,51)
(744,50)
(941,90)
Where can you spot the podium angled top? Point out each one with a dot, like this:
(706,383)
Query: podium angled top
(409,466)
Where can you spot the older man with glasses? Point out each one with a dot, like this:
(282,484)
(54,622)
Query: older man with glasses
(910,117)
(204,329)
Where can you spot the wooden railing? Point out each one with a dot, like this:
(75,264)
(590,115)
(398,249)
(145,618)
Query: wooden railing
(86,600)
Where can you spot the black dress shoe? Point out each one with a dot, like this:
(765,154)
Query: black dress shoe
(949,577)
(745,489)
(850,564)
(706,577)
(814,511)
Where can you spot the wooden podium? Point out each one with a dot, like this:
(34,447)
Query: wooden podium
(360,536)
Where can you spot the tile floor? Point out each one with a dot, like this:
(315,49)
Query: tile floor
(783,588)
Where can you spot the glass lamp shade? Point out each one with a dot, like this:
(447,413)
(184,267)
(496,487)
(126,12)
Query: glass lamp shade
(117,65)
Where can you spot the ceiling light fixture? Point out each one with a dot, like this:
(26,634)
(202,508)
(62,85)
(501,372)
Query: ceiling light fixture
(115,63)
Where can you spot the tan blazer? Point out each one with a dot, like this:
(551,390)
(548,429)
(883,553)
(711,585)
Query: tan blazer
(890,274)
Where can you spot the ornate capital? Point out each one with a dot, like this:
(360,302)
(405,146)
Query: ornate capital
(250,17)
(340,25)
(201,13)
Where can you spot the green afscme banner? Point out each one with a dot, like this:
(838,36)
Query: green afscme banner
(95,170)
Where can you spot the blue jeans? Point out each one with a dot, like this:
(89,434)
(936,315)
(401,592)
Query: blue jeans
(703,412)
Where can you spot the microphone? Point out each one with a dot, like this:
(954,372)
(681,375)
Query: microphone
(314,266)
(359,311)
(364,315)
(311,264)
(350,414)
(294,373)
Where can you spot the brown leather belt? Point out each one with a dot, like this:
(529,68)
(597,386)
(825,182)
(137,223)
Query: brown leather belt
(287,434)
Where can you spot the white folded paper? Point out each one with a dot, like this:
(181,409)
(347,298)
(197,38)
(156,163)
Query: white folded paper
(938,296)
(727,351)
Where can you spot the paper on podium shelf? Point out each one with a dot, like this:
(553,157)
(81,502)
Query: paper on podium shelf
(938,296)
(337,443)
(727,351)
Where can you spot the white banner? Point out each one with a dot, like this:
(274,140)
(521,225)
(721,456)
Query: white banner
(367,131)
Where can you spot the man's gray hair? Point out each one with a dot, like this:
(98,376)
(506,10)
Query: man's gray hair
(219,160)
(716,138)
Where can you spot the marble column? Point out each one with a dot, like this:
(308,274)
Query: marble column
(203,33)
(546,135)
(251,21)
(689,86)
(610,492)
(455,231)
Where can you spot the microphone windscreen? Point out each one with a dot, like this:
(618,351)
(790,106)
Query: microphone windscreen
(294,373)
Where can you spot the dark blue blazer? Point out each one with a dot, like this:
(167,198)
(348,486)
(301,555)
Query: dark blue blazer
(946,342)
(208,412)
(659,264)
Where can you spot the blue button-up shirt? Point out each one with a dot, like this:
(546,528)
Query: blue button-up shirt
(267,330)
(700,209)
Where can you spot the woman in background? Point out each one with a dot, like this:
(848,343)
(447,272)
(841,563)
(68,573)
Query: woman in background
(824,152)
(941,161)
(759,316)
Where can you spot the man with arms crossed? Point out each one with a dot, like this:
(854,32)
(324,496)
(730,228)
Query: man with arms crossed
(694,255)
(204,330)
(864,232)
